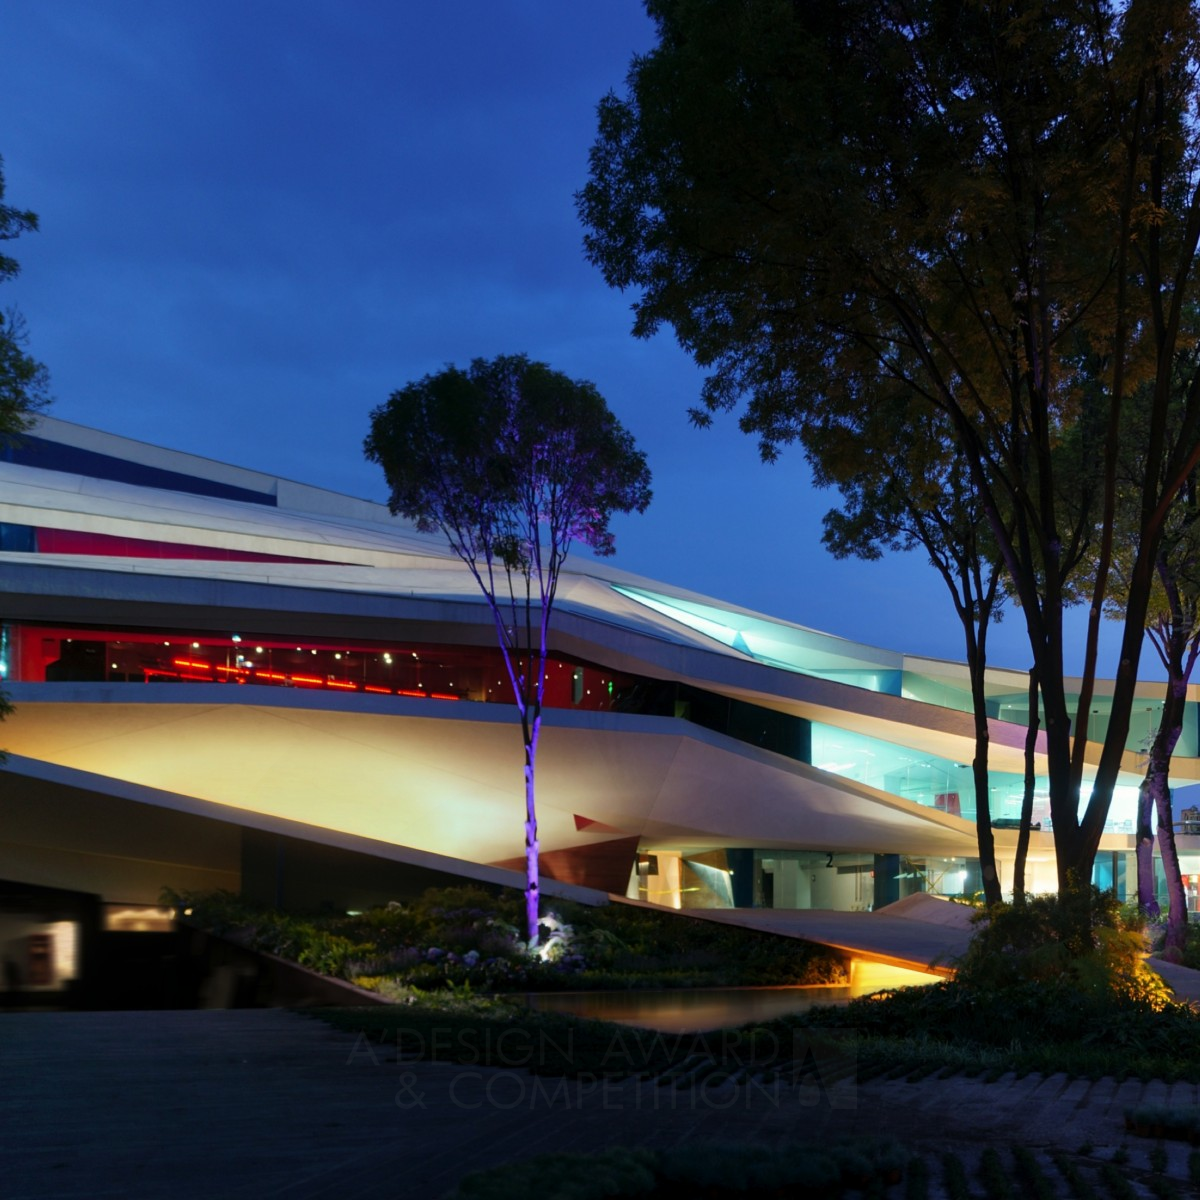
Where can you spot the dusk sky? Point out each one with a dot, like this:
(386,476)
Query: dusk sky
(260,218)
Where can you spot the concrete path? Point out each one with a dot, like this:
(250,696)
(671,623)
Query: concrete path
(266,1103)
(920,932)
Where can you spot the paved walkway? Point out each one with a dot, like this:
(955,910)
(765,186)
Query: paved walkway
(266,1103)
(918,932)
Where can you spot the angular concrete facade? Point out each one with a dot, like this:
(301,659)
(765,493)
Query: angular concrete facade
(204,657)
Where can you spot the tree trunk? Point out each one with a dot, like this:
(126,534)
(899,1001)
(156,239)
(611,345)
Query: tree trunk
(1147,900)
(979,770)
(1031,732)
(1155,787)
(1177,914)
(1064,794)
(532,894)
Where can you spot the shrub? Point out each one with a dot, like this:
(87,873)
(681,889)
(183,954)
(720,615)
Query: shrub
(1051,971)
(467,937)
(1082,935)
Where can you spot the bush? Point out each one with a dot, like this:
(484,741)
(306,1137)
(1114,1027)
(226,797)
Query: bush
(467,937)
(1082,935)
(1065,971)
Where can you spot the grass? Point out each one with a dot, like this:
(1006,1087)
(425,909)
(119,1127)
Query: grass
(870,1167)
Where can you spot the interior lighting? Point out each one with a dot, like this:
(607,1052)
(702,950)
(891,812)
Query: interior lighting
(237,637)
(257,649)
(195,645)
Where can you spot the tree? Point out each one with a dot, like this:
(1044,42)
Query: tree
(24,382)
(903,486)
(512,462)
(1174,632)
(1173,629)
(992,206)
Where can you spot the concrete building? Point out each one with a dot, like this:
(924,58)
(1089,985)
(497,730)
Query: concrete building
(226,679)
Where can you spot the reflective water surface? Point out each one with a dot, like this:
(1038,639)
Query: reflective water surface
(689,1010)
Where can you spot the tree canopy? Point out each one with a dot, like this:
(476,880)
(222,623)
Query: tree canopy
(903,487)
(24,382)
(513,462)
(991,208)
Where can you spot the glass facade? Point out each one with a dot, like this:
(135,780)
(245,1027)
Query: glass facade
(33,653)
(51,653)
(822,656)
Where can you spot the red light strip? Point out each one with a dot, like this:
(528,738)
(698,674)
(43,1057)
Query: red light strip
(252,672)
(177,675)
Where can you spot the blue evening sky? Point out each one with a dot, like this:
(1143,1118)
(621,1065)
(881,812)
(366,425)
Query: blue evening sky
(259,217)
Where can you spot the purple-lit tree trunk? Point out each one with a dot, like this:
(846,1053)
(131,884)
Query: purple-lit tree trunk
(525,660)
(513,462)
(532,890)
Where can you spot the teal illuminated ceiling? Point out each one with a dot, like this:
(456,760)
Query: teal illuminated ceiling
(777,644)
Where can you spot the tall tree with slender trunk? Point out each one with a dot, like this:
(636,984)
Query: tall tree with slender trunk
(1173,630)
(1175,634)
(513,462)
(971,201)
(904,487)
